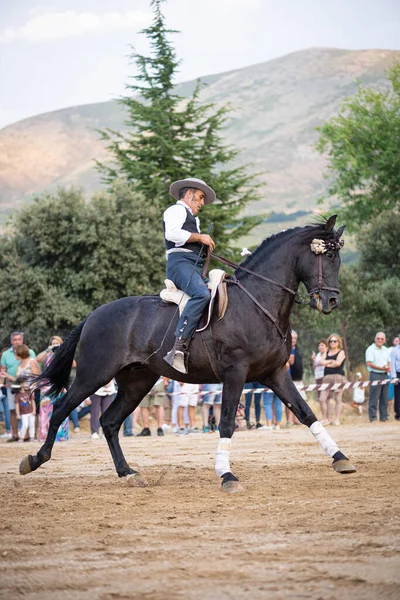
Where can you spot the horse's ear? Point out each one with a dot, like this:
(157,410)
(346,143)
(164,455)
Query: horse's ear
(340,230)
(330,224)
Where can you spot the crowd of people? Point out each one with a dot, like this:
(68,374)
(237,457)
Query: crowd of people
(27,416)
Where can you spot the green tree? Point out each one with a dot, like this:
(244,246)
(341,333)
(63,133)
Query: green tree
(63,256)
(171,138)
(362,144)
(379,245)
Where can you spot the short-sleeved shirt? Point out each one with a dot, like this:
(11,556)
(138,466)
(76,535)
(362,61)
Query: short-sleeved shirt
(379,356)
(11,362)
(25,401)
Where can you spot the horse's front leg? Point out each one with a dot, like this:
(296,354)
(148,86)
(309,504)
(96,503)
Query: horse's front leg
(283,386)
(232,388)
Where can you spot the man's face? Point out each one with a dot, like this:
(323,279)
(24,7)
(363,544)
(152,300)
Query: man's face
(396,341)
(294,339)
(322,347)
(196,200)
(17,340)
(380,339)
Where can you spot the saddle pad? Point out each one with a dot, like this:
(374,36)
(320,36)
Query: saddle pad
(215,284)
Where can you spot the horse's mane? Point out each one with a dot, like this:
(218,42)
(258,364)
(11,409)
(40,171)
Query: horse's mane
(305,234)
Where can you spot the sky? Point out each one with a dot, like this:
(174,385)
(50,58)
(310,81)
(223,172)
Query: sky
(60,53)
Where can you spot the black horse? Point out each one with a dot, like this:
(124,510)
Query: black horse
(125,340)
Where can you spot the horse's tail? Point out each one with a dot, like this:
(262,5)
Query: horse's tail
(58,370)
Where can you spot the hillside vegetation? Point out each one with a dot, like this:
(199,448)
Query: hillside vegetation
(276,106)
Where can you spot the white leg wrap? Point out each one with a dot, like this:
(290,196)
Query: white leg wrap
(328,445)
(222,465)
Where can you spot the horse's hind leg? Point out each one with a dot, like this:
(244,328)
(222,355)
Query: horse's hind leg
(133,385)
(63,406)
(284,388)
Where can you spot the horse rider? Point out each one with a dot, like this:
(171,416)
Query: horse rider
(184,244)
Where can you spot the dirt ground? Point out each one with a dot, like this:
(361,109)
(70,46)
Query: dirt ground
(73,530)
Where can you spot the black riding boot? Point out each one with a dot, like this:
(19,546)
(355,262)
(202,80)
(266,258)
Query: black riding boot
(178,357)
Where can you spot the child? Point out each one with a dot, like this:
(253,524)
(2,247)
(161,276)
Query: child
(358,395)
(25,410)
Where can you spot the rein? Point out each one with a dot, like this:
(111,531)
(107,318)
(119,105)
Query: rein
(229,263)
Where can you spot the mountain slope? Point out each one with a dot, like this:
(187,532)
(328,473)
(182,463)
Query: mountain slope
(276,107)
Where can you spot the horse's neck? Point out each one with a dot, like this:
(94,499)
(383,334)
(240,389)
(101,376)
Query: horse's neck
(278,264)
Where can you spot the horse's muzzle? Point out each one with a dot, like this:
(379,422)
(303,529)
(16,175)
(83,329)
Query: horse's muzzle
(324,302)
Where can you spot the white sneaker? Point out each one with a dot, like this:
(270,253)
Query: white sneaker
(166,427)
(6,435)
(276,427)
(264,427)
(95,436)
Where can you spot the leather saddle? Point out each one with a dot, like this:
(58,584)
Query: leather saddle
(218,297)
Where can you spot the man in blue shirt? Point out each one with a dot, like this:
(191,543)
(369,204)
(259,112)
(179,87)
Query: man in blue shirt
(9,364)
(184,243)
(395,372)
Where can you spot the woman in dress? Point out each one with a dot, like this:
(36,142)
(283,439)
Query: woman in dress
(47,402)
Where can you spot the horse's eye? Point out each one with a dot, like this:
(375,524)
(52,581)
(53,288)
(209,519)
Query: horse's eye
(330,255)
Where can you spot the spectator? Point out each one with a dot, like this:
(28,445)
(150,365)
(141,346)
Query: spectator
(9,364)
(212,398)
(377,358)
(155,397)
(25,409)
(99,403)
(44,357)
(188,397)
(257,403)
(296,373)
(46,409)
(391,386)
(358,396)
(26,370)
(318,368)
(128,425)
(270,399)
(395,372)
(6,413)
(333,361)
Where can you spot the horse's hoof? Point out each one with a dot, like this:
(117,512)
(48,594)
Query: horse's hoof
(232,487)
(136,480)
(25,466)
(343,466)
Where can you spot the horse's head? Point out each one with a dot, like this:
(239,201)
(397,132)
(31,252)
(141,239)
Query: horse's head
(318,265)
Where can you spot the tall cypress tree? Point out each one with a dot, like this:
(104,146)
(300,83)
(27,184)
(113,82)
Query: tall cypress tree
(171,137)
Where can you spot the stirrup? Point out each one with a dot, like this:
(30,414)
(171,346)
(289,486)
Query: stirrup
(178,357)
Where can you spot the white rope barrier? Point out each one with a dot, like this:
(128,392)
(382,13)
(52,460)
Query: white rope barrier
(313,387)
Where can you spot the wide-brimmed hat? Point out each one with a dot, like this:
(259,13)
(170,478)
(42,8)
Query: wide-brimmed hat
(193,182)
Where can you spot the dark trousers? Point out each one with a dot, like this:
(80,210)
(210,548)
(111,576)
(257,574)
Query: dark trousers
(257,400)
(378,397)
(397,398)
(182,271)
(98,406)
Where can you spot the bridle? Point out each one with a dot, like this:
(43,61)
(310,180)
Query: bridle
(312,293)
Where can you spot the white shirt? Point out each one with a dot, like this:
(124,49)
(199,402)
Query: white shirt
(108,389)
(174,218)
(318,369)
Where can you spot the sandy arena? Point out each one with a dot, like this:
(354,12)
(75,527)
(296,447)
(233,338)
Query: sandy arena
(73,530)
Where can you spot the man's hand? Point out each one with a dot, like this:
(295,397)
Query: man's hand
(207,241)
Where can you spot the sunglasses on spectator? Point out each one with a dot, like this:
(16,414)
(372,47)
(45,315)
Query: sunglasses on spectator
(332,341)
